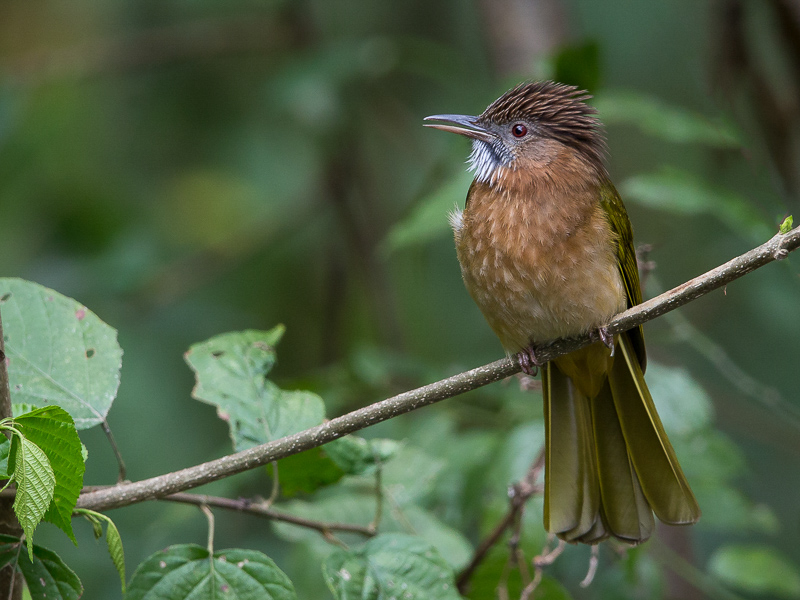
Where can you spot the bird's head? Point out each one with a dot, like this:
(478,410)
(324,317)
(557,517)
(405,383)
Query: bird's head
(528,127)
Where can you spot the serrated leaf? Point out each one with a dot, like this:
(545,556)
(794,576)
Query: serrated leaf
(52,430)
(756,569)
(428,219)
(681,192)
(670,123)
(46,575)
(390,565)
(231,371)
(178,571)
(35,485)
(358,456)
(115,550)
(59,352)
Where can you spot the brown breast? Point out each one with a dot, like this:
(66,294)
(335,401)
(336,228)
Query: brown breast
(538,257)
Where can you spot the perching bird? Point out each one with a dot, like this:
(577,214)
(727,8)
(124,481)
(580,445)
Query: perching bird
(546,251)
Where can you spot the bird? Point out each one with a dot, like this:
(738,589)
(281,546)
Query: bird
(546,251)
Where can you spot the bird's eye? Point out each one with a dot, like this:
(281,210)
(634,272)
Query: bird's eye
(519,130)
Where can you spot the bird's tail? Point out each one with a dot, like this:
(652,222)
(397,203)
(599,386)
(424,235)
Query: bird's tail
(608,462)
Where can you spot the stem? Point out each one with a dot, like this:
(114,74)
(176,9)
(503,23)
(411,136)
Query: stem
(210,516)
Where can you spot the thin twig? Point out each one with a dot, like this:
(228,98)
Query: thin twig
(519,494)
(546,558)
(260,510)
(170,483)
(594,561)
(122,473)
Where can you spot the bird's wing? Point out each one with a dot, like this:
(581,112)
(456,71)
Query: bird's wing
(626,258)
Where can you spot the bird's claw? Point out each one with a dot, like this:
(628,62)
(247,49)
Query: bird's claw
(607,338)
(529,362)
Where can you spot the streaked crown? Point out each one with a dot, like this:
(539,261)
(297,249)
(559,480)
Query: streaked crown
(557,110)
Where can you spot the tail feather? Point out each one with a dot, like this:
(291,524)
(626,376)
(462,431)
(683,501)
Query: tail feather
(572,495)
(608,462)
(627,513)
(663,482)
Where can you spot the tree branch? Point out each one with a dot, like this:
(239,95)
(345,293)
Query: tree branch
(262,510)
(157,487)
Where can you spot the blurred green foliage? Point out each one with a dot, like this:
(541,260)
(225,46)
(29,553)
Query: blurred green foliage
(189,169)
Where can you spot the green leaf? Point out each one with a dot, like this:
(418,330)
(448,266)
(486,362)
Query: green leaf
(59,352)
(756,569)
(5,447)
(670,123)
(35,485)
(358,456)
(681,192)
(52,430)
(428,219)
(115,550)
(390,565)
(787,225)
(187,571)
(451,544)
(306,472)
(45,574)
(231,372)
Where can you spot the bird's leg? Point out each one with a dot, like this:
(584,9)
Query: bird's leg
(607,338)
(528,361)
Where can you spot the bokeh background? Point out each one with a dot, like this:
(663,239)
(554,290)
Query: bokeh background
(190,168)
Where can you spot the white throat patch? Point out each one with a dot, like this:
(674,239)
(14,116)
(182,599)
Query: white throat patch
(485,159)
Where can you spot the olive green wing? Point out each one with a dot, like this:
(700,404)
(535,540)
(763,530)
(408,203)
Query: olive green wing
(626,258)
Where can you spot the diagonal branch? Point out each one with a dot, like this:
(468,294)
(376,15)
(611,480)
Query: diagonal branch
(157,487)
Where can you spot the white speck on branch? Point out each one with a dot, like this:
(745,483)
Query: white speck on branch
(157,487)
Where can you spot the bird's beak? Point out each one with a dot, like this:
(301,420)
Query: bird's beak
(462,125)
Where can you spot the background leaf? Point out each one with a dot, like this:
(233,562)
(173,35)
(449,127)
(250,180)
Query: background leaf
(390,565)
(170,574)
(428,219)
(231,372)
(661,120)
(46,575)
(756,570)
(358,456)
(59,352)
(677,191)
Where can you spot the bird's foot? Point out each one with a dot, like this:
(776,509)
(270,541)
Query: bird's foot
(607,338)
(529,362)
